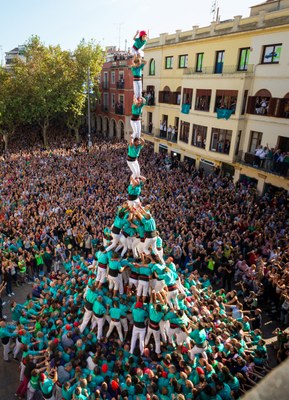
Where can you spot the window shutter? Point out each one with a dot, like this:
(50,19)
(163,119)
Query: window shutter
(251,105)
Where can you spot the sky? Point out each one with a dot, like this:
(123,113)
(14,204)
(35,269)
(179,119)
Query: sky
(109,22)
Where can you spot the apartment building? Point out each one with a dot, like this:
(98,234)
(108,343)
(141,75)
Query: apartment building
(222,92)
(113,111)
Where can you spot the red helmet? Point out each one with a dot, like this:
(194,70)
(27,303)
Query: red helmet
(142,33)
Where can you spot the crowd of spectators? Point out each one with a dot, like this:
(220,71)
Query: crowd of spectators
(228,245)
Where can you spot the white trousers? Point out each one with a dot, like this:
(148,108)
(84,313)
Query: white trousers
(150,242)
(134,167)
(134,247)
(101,275)
(86,319)
(197,350)
(136,128)
(30,392)
(117,325)
(17,348)
(137,88)
(157,337)
(137,333)
(114,282)
(115,239)
(164,328)
(99,322)
(172,298)
(142,288)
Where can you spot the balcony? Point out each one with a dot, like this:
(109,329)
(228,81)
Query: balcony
(266,165)
(158,134)
(226,70)
(120,84)
(119,63)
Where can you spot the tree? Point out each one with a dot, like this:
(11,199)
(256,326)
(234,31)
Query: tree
(47,84)
(87,56)
(11,100)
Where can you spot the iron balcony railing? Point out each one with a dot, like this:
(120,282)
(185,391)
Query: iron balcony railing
(225,70)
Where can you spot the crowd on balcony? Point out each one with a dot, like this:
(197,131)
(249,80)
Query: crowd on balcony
(273,160)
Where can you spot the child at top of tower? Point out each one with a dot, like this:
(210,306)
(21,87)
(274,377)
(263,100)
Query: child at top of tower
(140,39)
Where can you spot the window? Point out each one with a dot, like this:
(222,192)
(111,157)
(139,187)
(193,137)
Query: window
(169,62)
(271,54)
(199,64)
(105,101)
(121,98)
(255,141)
(219,61)
(105,80)
(226,99)
(121,75)
(244,59)
(152,69)
(221,140)
(187,100)
(165,95)
(112,100)
(183,61)
(199,136)
(113,77)
(185,130)
(203,99)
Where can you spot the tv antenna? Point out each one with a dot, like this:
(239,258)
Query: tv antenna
(215,10)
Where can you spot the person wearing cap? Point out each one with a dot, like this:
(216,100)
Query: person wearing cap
(90,297)
(139,315)
(136,113)
(133,152)
(140,39)
(98,320)
(115,314)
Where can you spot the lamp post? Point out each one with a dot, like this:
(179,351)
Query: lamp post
(88,107)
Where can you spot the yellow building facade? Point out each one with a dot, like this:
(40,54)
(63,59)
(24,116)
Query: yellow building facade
(221,95)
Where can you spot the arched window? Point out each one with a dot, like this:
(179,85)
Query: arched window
(152,70)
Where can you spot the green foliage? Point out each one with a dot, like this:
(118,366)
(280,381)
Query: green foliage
(49,83)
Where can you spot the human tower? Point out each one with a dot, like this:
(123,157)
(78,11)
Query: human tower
(154,282)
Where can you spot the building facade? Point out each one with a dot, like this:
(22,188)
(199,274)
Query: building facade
(222,95)
(113,111)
